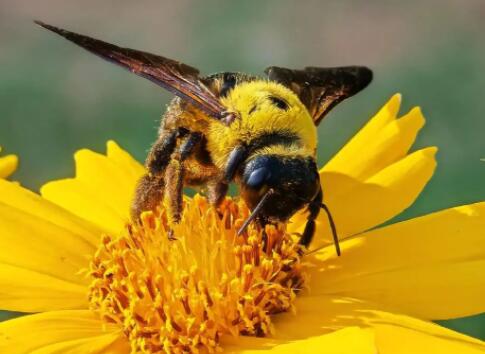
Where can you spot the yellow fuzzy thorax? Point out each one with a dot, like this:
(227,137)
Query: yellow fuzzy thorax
(258,115)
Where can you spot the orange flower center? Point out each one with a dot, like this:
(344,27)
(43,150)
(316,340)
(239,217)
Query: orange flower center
(182,295)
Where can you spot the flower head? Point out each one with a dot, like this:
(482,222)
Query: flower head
(103,284)
(184,295)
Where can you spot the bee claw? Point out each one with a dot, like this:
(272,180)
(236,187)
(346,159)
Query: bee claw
(171,236)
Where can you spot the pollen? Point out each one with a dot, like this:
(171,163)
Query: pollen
(181,295)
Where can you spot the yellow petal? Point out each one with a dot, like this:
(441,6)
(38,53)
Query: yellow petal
(380,197)
(42,249)
(357,206)
(375,164)
(84,201)
(382,141)
(103,187)
(62,332)
(31,291)
(122,158)
(8,165)
(30,203)
(351,340)
(430,267)
(394,333)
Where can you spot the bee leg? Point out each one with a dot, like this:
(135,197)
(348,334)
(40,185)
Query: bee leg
(159,155)
(148,194)
(174,177)
(149,190)
(236,157)
(216,192)
(314,210)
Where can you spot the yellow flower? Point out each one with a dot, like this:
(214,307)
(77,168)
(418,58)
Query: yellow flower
(8,165)
(103,287)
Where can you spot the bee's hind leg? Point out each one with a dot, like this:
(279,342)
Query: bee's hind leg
(150,188)
(174,177)
(148,194)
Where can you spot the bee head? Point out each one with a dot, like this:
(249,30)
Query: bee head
(294,182)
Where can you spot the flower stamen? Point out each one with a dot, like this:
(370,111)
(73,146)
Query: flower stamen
(182,296)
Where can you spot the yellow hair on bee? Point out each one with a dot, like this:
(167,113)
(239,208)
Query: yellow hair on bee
(258,115)
(293,150)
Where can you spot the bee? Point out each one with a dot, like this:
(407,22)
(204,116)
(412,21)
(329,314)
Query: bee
(258,132)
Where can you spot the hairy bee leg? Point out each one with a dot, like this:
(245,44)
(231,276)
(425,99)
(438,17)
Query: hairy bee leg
(174,177)
(159,155)
(189,145)
(148,194)
(150,188)
(314,209)
(216,192)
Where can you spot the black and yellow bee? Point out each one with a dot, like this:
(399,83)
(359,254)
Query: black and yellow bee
(260,133)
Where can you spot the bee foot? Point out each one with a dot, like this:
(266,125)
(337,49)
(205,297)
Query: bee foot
(171,236)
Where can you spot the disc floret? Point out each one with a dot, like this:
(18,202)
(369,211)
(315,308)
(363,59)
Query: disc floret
(182,295)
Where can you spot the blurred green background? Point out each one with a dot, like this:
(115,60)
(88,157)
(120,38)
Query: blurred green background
(55,98)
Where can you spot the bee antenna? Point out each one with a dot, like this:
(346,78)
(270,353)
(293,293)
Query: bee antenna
(255,212)
(333,227)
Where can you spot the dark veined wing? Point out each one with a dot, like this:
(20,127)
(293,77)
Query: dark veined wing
(222,83)
(178,78)
(321,89)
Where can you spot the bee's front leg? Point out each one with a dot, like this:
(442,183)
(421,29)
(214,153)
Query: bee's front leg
(216,192)
(314,209)
(237,156)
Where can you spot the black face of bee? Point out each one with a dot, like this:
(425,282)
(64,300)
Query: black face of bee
(294,181)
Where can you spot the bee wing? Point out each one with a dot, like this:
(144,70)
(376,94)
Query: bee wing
(178,78)
(321,89)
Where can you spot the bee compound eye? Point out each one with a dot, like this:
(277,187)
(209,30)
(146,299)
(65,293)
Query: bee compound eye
(258,177)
